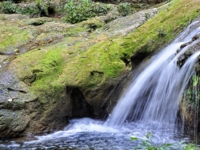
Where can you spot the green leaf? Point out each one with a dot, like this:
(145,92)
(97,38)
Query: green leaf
(133,138)
(148,135)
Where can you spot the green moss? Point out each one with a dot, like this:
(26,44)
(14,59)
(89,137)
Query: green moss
(113,69)
(171,21)
(12,36)
(74,31)
(41,70)
(84,27)
(48,69)
(55,68)
(106,56)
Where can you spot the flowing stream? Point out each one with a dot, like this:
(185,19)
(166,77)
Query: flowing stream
(149,104)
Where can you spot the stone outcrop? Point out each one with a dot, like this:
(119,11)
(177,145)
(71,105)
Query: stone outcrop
(48,107)
(52,71)
(189,106)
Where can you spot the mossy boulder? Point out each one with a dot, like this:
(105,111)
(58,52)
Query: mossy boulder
(59,71)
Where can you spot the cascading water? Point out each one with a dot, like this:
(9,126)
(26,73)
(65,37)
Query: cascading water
(154,95)
(149,104)
(196,99)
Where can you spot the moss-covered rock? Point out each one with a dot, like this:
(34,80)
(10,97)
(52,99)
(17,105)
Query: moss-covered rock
(68,70)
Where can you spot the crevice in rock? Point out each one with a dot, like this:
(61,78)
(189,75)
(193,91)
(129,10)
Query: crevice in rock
(37,23)
(137,58)
(16,90)
(93,72)
(51,11)
(7,53)
(30,79)
(125,59)
(79,106)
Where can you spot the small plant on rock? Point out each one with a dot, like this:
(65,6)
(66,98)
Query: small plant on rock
(124,9)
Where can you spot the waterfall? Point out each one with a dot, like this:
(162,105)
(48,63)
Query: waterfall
(149,104)
(154,95)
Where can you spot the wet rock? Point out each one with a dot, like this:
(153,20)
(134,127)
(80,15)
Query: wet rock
(195,42)
(12,123)
(129,23)
(13,98)
(190,100)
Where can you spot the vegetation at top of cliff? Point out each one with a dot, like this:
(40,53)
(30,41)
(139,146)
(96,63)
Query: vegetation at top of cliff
(74,11)
(8,7)
(78,11)
(37,9)
(125,9)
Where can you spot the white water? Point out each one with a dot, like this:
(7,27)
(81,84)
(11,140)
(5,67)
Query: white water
(154,95)
(150,104)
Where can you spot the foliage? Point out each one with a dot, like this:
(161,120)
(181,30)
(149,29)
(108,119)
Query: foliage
(148,144)
(40,7)
(29,10)
(43,6)
(78,11)
(191,147)
(8,7)
(195,80)
(124,9)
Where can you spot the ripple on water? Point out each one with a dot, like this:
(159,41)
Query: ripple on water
(89,134)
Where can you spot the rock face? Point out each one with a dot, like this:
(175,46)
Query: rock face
(14,97)
(25,109)
(189,107)
(122,26)
(52,71)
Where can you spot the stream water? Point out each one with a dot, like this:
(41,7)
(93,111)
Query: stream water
(149,104)
(89,134)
